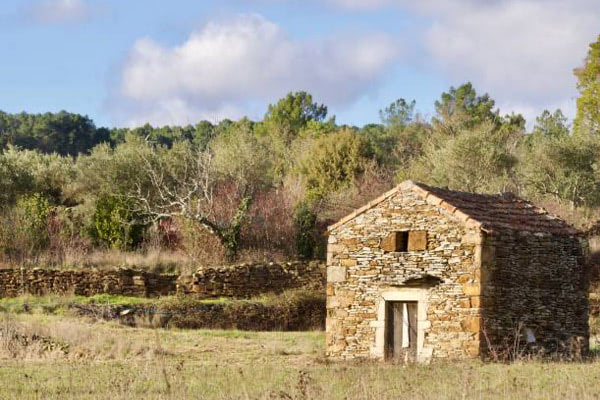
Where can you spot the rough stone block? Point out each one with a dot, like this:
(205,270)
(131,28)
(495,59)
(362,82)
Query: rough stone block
(472,324)
(472,289)
(330,290)
(349,262)
(336,274)
(472,237)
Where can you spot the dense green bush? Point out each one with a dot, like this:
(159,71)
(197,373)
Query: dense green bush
(305,223)
(23,228)
(115,224)
(333,162)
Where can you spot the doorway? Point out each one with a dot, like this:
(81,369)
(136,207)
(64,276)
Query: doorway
(401,330)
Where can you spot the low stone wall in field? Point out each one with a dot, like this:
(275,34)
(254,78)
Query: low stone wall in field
(247,280)
(119,281)
(235,281)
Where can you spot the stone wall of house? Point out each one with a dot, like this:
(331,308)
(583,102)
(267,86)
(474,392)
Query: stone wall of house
(246,280)
(237,281)
(119,281)
(359,271)
(536,282)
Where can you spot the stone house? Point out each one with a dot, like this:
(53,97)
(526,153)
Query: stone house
(424,272)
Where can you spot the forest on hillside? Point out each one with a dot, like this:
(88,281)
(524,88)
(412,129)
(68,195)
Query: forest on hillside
(269,188)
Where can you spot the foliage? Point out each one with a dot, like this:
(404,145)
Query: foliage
(305,223)
(292,113)
(270,187)
(270,228)
(231,233)
(461,108)
(477,160)
(35,209)
(333,162)
(562,167)
(63,133)
(551,124)
(112,171)
(587,121)
(24,172)
(114,223)
(398,114)
(241,157)
(291,118)
(23,228)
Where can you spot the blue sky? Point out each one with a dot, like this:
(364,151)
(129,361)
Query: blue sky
(125,62)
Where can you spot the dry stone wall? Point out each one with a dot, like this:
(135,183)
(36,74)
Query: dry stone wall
(360,271)
(535,282)
(236,281)
(127,282)
(247,280)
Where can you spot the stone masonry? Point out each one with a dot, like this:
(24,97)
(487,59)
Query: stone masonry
(247,280)
(489,267)
(235,281)
(119,281)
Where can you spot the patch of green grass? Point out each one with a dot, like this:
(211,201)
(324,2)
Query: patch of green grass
(54,304)
(36,304)
(189,301)
(111,299)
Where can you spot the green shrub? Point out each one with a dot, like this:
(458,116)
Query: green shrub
(115,224)
(305,222)
(35,210)
(23,229)
(333,162)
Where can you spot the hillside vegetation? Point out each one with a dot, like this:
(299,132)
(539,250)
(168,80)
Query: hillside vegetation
(245,189)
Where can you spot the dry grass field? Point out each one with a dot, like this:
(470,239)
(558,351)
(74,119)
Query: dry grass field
(46,356)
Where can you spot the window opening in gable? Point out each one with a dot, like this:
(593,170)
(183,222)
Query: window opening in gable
(402,241)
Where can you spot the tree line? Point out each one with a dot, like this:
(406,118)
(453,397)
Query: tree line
(272,186)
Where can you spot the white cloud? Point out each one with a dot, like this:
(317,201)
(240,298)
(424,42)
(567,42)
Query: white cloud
(362,4)
(226,68)
(59,11)
(520,51)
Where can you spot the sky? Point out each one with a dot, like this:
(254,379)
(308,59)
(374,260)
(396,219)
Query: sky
(128,62)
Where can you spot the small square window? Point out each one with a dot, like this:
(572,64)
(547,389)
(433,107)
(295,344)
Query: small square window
(395,242)
(402,241)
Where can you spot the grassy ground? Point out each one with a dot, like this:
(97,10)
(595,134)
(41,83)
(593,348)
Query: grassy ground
(53,304)
(67,357)
(294,310)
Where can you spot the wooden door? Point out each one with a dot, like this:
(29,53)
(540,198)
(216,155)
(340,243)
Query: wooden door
(401,330)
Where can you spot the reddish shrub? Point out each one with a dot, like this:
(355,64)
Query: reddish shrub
(270,224)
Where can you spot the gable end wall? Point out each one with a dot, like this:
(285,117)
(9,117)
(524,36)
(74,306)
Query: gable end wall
(360,272)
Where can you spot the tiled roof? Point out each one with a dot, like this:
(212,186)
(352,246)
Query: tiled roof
(498,212)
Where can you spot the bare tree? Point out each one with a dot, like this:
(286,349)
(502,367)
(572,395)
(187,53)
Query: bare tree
(181,182)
